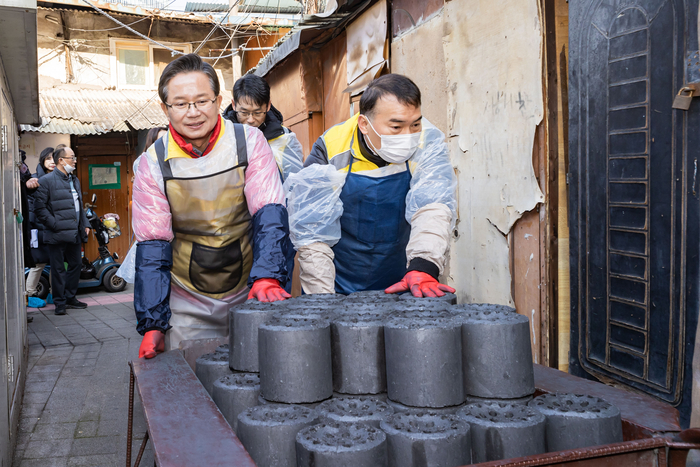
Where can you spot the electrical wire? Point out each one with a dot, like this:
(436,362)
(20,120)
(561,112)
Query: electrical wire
(211,33)
(143,36)
(120,27)
(109,29)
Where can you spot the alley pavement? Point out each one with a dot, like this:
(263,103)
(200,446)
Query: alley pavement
(76,396)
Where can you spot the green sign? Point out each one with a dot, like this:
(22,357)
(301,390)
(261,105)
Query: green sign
(104,177)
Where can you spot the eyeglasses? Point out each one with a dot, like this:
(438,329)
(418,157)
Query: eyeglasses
(70,158)
(257,114)
(202,105)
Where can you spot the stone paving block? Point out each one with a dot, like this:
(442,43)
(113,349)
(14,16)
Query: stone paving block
(101,333)
(73,382)
(92,446)
(101,461)
(37,449)
(90,414)
(27,424)
(79,371)
(54,431)
(32,410)
(113,427)
(48,368)
(81,362)
(83,384)
(86,429)
(17,457)
(35,376)
(83,340)
(87,348)
(36,397)
(22,441)
(33,340)
(51,358)
(60,414)
(47,462)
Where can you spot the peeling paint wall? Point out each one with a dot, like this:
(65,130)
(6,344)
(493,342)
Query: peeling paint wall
(425,42)
(481,82)
(493,56)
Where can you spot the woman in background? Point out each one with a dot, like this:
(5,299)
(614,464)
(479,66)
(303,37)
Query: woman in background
(40,251)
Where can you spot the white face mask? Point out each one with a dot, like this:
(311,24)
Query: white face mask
(69,169)
(395,148)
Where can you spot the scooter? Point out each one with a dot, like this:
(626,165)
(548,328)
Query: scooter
(103,270)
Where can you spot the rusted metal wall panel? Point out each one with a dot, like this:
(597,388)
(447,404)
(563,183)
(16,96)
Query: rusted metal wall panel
(407,14)
(262,38)
(336,104)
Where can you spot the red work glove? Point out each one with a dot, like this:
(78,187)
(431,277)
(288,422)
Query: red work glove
(267,290)
(421,285)
(153,343)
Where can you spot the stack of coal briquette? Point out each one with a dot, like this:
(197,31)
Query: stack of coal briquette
(372,379)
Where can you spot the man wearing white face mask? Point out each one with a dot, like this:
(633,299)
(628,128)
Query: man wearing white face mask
(398,199)
(58,206)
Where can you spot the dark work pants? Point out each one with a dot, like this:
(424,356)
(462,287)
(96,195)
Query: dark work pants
(64,283)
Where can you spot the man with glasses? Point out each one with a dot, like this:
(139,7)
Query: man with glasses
(58,206)
(251,106)
(208,215)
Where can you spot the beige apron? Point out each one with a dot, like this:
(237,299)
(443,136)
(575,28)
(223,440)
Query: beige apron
(212,254)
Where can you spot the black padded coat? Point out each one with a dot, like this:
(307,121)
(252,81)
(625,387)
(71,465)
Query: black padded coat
(55,209)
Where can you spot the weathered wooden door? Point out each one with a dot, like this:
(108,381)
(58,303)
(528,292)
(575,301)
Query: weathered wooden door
(634,194)
(106,177)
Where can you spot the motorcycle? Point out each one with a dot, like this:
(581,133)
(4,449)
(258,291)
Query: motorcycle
(101,271)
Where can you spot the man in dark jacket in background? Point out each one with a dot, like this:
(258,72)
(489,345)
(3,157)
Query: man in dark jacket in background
(251,105)
(58,206)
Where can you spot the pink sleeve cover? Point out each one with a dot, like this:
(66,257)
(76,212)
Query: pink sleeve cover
(262,185)
(151,216)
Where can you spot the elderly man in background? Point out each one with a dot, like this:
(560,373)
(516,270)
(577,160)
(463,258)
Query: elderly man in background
(58,206)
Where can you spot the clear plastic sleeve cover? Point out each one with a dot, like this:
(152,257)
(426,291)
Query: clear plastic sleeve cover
(314,205)
(432,177)
(127,270)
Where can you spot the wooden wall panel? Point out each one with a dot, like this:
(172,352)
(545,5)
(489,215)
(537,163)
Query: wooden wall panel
(312,80)
(286,87)
(531,265)
(336,103)
(301,129)
(561,17)
(307,129)
(525,270)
